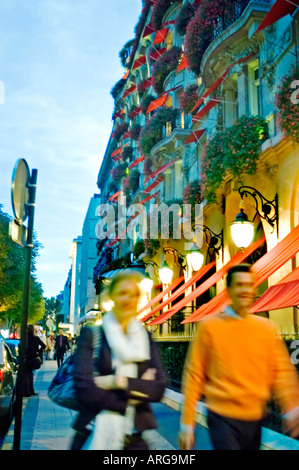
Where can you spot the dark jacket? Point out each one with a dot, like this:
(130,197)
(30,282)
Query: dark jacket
(94,399)
(65,344)
(34,348)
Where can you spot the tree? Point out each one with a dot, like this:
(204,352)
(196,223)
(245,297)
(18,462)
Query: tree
(52,310)
(12,272)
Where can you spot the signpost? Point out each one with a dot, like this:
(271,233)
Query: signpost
(23,190)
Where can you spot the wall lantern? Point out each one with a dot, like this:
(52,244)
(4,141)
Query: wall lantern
(242,230)
(147,284)
(165,273)
(195,258)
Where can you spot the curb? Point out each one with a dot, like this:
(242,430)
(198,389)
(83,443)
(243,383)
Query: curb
(271,440)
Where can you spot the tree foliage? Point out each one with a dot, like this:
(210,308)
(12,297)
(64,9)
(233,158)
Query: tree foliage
(12,272)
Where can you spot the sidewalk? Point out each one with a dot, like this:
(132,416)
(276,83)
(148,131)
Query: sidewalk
(47,426)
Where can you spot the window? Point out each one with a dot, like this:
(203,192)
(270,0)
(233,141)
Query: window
(254,88)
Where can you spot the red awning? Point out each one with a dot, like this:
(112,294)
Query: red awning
(203,111)
(183,64)
(161,170)
(210,90)
(129,91)
(157,53)
(136,162)
(263,268)
(147,83)
(196,277)
(280,9)
(119,114)
(157,103)
(218,82)
(149,29)
(195,136)
(160,36)
(282,295)
(162,294)
(154,184)
(135,112)
(114,196)
(140,61)
(148,198)
(236,259)
(116,155)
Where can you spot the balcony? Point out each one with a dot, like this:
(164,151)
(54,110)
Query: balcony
(232,29)
(234,14)
(180,121)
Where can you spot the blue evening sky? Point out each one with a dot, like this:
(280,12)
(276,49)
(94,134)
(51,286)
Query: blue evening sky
(58,62)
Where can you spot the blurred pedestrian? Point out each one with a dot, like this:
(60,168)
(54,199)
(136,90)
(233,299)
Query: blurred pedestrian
(130,375)
(61,347)
(34,350)
(50,344)
(237,362)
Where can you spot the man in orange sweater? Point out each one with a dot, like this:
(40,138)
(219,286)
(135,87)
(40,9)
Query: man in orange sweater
(237,362)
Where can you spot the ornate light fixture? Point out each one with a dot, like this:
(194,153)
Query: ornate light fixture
(242,230)
(214,240)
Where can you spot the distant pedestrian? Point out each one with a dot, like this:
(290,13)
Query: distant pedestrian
(130,375)
(237,361)
(61,347)
(50,344)
(34,348)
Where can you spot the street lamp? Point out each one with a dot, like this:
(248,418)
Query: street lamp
(165,273)
(147,284)
(195,258)
(242,230)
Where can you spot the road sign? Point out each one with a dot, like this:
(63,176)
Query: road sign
(18,232)
(19,190)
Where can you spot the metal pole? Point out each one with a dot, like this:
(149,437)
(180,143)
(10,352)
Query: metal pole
(23,339)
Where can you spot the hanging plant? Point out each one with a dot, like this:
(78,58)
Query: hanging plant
(117,88)
(147,167)
(160,8)
(286,102)
(197,39)
(235,151)
(127,153)
(188,98)
(183,17)
(151,133)
(192,195)
(119,130)
(163,66)
(135,131)
(146,102)
(119,172)
(139,248)
(209,16)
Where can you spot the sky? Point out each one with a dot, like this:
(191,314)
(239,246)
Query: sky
(59,60)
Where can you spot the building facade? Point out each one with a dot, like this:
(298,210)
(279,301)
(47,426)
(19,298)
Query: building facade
(206,115)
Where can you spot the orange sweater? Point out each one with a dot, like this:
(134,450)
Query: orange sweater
(237,363)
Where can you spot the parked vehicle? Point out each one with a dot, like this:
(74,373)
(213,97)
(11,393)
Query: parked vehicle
(13,345)
(8,376)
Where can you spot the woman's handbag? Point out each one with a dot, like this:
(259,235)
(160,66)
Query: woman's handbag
(37,362)
(62,389)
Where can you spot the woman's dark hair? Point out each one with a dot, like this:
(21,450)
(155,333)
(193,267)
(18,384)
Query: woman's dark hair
(30,329)
(239,268)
